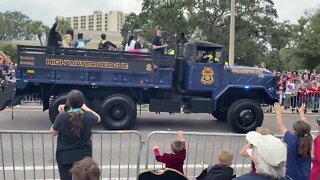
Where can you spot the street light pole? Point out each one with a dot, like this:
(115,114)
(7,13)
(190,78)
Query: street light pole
(232,33)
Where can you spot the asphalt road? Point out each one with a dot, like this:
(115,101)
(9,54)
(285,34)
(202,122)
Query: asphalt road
(117,153)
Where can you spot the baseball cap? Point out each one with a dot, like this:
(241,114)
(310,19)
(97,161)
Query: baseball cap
(158,27)
(271,149)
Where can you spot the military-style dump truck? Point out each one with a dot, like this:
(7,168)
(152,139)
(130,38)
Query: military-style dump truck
(116,83)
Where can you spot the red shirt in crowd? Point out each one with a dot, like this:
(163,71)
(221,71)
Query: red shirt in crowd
(303,93)
(312,91)
(173,161)
(315,171)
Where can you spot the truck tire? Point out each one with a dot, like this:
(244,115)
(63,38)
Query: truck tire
(53,109)
(245,115)
(118,112)
(219,115)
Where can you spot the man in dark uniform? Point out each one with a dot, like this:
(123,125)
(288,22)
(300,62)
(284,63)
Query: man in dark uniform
(54,39)
(157,43)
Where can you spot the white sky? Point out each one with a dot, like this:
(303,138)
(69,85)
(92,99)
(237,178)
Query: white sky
(46,10)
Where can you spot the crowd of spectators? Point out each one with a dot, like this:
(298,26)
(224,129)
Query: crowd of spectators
(272,158)
(7,72)
(295,88)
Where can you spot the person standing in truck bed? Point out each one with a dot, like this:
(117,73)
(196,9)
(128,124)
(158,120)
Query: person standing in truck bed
(105,44)
(54,35)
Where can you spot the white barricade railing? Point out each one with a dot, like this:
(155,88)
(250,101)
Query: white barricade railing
(116,152)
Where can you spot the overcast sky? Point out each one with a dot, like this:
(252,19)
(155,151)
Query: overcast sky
(46,10)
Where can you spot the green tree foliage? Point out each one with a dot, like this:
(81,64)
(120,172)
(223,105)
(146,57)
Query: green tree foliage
(36,29)
(11,51)
(13,25)
(64,25)
(308,40)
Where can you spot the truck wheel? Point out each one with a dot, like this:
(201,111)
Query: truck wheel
(118,112)
(219,115)
(53,110)
(245,115)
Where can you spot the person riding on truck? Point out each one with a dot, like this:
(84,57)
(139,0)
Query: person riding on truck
(157,43)
(105,44)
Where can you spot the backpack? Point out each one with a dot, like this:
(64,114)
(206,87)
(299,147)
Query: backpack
(216,173)
(81,44)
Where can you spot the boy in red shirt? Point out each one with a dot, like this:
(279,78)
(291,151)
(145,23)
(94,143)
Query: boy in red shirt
(175,159)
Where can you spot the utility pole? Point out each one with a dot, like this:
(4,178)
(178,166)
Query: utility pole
(232,32)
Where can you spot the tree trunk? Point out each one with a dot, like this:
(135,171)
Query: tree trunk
(39,37)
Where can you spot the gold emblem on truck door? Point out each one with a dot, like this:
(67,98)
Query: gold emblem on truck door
(207,76)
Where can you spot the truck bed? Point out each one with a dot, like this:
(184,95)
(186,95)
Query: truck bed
(94,67)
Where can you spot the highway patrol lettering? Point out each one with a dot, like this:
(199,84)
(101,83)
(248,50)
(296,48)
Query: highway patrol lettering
(86,64)
(247,71)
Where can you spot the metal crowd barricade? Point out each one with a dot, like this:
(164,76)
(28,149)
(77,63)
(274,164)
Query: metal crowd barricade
(116,152)
(202,150)
(311,99)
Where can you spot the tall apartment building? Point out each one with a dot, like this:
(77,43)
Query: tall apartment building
(98,21)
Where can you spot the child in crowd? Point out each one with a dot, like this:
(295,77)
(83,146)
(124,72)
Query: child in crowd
(315,171)
(175,159)
(262,131)
(86,169)
(220,171)
(299,145)
(81,43)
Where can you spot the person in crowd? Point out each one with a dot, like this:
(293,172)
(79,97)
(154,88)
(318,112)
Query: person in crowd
(73,129)
(175,159)
(130,44)
(54,39)
(313,96)
(105,44)
(81,43)
(281,88)
(263,65)
(138,44)
(85,169)
(220,171)
(315,171)
(269,154)
(3,66)
(299,145)
(243,152)
(67,41)
(303,94)
(289,92)
(157,43)
(11,77)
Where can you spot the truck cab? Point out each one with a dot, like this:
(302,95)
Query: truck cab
(229,93)
(115,83)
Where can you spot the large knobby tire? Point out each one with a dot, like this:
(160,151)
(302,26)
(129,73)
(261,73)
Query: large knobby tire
(118,112)
(245,115)
(53,109)
(219,115)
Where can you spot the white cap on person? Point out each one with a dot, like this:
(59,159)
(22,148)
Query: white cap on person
(270,148)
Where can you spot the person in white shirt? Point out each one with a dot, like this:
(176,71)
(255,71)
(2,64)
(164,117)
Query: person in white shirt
(289,92)
(131,43)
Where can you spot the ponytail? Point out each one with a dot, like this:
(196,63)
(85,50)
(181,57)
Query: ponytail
(76,121)
(302,130)
(305,146)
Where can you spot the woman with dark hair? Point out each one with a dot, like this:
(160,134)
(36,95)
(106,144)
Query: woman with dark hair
(299,145)
(130,44)
(73,129)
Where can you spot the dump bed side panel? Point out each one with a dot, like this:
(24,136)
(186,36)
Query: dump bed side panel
(94,67)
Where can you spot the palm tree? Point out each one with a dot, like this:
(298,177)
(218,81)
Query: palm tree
(36,28)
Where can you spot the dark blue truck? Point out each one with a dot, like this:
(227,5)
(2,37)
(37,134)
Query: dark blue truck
(116,82)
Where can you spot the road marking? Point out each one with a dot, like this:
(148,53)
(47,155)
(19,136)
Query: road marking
(113,167)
